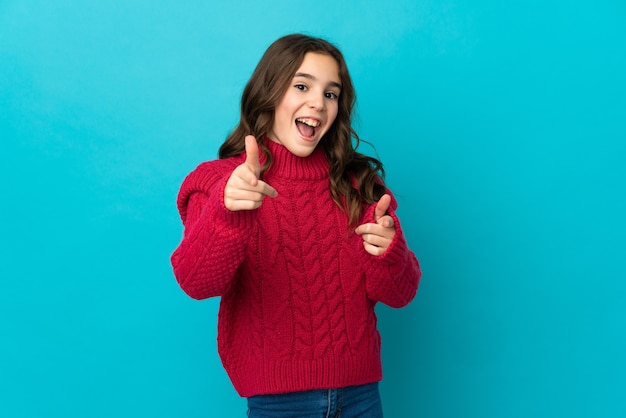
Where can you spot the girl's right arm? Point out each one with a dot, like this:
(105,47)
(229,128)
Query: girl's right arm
(215,239)
(219,217)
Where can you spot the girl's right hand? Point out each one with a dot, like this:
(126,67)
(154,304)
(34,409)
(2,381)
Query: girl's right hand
(244,190)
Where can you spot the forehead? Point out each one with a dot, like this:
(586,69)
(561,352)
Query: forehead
(321,67)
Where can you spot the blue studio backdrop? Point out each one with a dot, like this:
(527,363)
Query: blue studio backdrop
(502,126)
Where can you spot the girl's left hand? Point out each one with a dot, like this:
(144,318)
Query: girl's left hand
(378,236)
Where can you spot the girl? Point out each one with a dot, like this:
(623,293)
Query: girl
(297,233)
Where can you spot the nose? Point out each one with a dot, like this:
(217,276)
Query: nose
(316,101)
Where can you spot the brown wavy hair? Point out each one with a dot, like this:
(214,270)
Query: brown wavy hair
(355,179)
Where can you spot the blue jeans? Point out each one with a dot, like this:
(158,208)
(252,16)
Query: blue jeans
(351,402)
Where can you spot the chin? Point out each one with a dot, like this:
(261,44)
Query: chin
(302,153)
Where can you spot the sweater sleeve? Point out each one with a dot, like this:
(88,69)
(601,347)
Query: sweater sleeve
(393,277)
(214,240)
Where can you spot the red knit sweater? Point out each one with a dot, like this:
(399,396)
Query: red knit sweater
(298,289)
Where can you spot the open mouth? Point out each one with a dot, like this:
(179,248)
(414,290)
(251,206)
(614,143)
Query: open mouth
(307,127)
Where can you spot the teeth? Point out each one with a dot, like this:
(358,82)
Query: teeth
(311,122)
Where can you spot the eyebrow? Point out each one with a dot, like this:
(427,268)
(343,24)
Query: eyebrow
(312,77)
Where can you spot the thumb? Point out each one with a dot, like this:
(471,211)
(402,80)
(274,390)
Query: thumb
(252,155)
(382,206)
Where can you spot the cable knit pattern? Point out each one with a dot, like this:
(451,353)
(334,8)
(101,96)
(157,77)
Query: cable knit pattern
(298,289)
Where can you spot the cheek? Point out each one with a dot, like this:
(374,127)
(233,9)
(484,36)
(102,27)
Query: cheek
(284,107)
(332,115)
(282,116)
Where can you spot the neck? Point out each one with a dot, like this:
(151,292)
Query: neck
(287,165)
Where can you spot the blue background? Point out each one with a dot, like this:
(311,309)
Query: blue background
(503,129)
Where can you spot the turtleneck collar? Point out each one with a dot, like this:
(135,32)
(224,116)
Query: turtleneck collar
(287,165)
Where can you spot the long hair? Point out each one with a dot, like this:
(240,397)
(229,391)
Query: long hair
(355,179)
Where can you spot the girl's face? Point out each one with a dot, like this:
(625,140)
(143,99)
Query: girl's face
(309,106)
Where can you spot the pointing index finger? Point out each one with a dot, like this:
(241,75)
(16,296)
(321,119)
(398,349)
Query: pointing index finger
(267,190)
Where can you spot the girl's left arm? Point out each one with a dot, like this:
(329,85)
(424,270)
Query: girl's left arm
(393,273)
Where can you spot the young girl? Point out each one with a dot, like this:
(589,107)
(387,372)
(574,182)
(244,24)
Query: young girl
(297,233)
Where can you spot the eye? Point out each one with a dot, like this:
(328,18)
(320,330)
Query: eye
(300,87)
(331,95)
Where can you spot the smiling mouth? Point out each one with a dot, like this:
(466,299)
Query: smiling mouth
(307,127)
